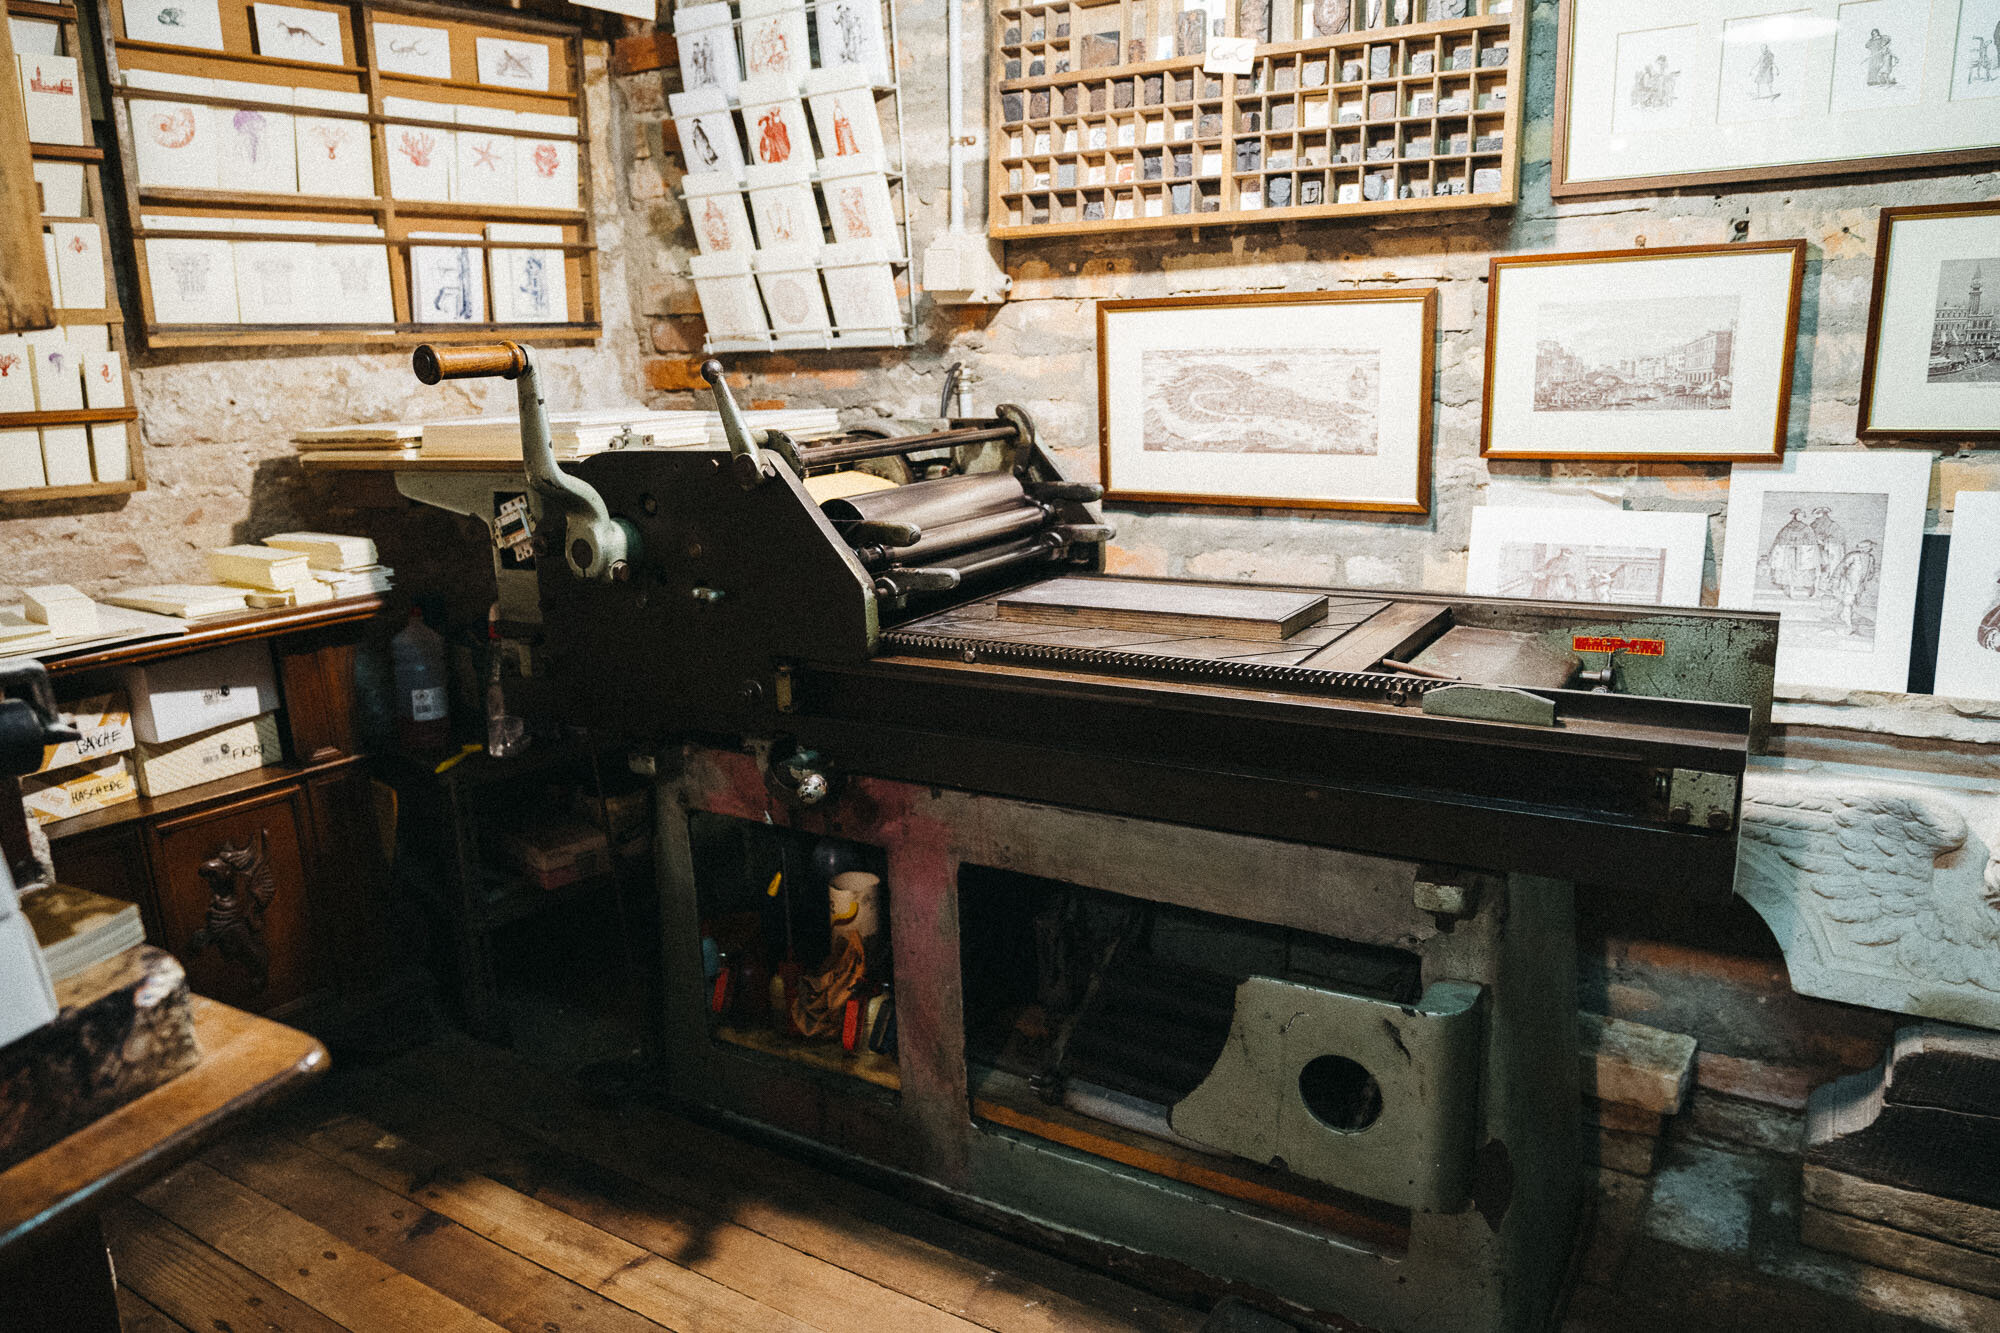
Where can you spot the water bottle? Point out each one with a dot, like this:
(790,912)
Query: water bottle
(423,707)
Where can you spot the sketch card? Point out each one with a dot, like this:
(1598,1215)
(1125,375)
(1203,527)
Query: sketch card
(486,164)
(356,284)
(334,155)
(193,281)
(256,149)
(447,285)
(103,378)
(111,451)
(1968,660)
(1655,69)
(277,282)
(510,64)
(708,142)
(850,33)
(34,37)
(785,210)
(21,460)
(847,122)
(776,126)
(1566,554)
(291,33)
(545,169)
(1976,65)
(529,286)
(721,223)
(1878,54)
(707,38)
(17,375)
(88,339)
(790,287)
(1764,66)
(66,455)
(52,93)
(422,159)
(176,22)
(858,205)
(774,41)
(58,381)
(409,48)
(175,143)
(80,264)
(1831,542)
(61,186)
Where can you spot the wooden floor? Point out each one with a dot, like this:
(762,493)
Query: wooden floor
(456,1188)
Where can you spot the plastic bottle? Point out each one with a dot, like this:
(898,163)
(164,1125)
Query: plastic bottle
(423,707)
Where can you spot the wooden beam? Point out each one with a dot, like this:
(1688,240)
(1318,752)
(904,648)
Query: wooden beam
(26,303)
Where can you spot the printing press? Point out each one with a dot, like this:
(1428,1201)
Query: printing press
(1220,932)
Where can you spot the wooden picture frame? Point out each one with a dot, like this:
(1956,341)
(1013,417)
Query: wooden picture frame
(1370,359)
(1574,389)
(1814,50)
(1909,284)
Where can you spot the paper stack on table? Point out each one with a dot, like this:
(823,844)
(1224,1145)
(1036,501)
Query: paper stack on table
(184,600)
(67,612)
(302,569)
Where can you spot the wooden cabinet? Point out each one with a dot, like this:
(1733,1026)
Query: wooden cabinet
(267,886)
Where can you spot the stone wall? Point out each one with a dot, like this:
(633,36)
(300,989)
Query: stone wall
(218,425)
(1039,348)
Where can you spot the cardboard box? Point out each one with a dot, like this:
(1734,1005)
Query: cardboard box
(75,791)
(105,724)
(224,752)
(184,695)
(560,853)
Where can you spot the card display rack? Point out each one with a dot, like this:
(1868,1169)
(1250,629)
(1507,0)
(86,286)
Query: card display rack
(110,317)
(1107,117)
(360,72)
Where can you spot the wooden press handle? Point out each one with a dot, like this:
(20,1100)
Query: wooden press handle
(432,364)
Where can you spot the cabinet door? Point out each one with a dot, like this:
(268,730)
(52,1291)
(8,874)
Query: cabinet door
(111,862)
(234,901)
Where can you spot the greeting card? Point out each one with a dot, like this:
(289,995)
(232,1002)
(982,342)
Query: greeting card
(299,34)
(256,150)
(545,169)
(406,48)
(512,64)
(334,155)
(52,92)
(486,162)
(529,286)
(277,282)
(193,281)
(58,382)
(174,143)
(355,282)
(21,460)
(177,22)
(62,188)
(66,455)
(17,375)
(111,451)
(103,379)
(421,158)
(447,285)
(80,264)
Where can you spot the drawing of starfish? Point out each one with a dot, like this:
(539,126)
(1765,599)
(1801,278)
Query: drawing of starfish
(486,155)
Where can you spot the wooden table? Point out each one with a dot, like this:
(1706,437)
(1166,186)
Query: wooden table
(54,1272)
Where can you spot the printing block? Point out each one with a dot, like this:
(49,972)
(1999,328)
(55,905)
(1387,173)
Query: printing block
(1229,927)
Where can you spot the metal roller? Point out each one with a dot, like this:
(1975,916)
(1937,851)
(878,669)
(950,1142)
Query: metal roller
(929,504)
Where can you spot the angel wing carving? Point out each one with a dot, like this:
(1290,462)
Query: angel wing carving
(1877,872)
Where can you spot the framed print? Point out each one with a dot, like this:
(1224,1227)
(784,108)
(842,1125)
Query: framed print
(1717,92)
(1675,354)
(1831,541)
(1968,660)
(1932,366)
(1613,556)
(1296,400)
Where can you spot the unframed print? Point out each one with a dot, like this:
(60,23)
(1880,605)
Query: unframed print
(1831,542)
(257,147)
(52,96)
(356,284)
(1570,555)
(850,33)
(529,286)
(299,34)
(1651,354)
(193,281)
(1315,404)
(447,285)
(61,186)
(279,282)
(334,155)
(1968,659)
(407,48)
(80,263)
(510,64)
(1934,326)
(177,22)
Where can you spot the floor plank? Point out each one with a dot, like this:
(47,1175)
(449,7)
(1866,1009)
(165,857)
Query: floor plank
(982,1278)
(192,1284)
(512,1291)
(626,1273)
(765,1270)
(347,1285)
(137,1315)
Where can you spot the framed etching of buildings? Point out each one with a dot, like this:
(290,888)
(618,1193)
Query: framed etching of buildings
(1292,400)
(1674,354)
(1719,92)
(1968,660)
(1932,366)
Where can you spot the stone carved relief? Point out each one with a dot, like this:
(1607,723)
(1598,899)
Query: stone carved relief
(1880,893)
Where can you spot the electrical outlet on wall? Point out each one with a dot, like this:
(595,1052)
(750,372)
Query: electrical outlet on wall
(963,268)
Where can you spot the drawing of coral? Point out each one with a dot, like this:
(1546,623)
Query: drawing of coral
(545,161)
(417,146)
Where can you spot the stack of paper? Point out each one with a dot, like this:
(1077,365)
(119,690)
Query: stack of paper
(575,434)
(361,582)
(67,612)
(185,600)
(261,567)
(327,550)
(77,928)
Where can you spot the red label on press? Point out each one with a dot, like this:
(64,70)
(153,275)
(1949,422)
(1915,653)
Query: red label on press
(1591,643)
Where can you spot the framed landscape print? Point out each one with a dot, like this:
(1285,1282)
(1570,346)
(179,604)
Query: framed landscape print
(1674,354)
(1932,366)
(1296,400)
(1831,542)
(1968,660)
(1715,92)
(1587,555)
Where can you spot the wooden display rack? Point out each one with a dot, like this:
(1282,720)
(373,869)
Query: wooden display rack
(111,316)
(1089,138)
(359,72)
